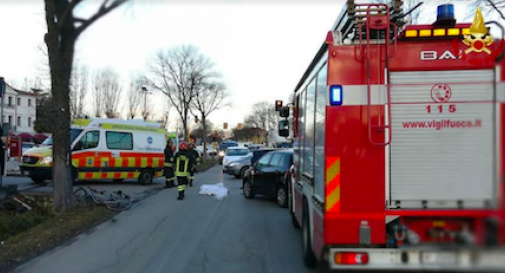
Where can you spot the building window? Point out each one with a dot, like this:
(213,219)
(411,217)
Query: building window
(10,101)
(29,102)
(29,122)
(19,101)
(10,122)
(19,121)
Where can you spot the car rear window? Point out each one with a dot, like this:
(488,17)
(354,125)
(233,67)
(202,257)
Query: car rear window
(237,152)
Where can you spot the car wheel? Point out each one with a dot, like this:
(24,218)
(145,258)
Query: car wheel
(237,175)
(145,177)
(282,197)
(309,259)
(247,190)
(37,179)
(242,172)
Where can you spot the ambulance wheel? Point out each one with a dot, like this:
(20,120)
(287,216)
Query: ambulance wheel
(74,175)
(37,179)
(309,259)
(146,177)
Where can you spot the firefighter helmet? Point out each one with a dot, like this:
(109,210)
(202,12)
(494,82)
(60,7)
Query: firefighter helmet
(183,146)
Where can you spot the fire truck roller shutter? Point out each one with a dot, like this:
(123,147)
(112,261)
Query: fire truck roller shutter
(443,150)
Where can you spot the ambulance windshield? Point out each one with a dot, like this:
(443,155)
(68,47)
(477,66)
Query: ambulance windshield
(74,133)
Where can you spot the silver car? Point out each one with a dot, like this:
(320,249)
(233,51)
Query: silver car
(239,166)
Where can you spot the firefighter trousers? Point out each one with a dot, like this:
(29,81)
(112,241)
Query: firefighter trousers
(191,177)
(181,184)
(169,177)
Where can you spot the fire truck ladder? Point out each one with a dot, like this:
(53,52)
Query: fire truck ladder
(377,22)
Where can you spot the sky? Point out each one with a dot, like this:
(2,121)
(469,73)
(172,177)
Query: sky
(261,47)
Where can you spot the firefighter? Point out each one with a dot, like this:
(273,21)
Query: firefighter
(196,160)
(183,163)
(169,165)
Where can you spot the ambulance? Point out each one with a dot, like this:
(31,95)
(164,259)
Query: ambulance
(104,149)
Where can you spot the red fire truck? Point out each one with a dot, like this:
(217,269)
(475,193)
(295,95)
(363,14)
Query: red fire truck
(399,137)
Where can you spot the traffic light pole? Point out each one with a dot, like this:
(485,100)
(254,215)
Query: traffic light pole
(2,93)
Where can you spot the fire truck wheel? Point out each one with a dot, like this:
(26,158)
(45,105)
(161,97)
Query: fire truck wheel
(146,177)
(294,221)
(309,259)
(282,196)
(247,190)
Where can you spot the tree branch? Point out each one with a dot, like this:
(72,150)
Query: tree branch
(102,11)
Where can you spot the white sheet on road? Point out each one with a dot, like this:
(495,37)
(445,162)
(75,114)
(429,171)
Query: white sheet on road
(218,190)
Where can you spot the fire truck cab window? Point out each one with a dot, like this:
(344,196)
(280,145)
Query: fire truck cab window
(301,130)
(308,155)
(320,132)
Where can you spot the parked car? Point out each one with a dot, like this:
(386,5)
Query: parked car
(270,176)
(222,149)
(233,154)
(240,167)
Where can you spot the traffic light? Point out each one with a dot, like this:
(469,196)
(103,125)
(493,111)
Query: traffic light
(196,119)
(278,105)
(225,125)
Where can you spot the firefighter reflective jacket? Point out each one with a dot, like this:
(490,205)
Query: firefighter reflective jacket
(183,161)
(169,157)
(195,158)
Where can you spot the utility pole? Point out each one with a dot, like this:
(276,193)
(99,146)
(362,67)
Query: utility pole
(2,95)
(144,89)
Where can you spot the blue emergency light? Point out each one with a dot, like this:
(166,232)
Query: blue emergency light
(336,95)
(445,16)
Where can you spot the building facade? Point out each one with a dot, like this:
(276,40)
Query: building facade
(19,110)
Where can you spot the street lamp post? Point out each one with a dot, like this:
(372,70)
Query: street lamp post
(144,89)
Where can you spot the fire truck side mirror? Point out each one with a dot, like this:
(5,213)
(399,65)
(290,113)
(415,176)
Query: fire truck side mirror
(284,112)
(284,128)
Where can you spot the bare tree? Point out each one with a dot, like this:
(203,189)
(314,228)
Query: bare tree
(147,108)
(179,73)
(106,92)
(63,30)
(263,116)
(209,98)
(134,97)
(31,84)
(78,90)
(489,8)
(415,16)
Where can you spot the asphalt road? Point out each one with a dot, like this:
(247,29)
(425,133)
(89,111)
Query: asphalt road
(199,234)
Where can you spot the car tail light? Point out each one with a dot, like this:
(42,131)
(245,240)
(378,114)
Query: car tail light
(350,258)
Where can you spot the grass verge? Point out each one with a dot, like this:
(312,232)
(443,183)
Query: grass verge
(206,164)
(50,233)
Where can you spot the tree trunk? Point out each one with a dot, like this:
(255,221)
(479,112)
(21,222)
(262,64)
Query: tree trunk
(185,124)
(61,54)
(204,137)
